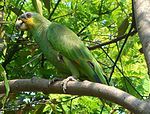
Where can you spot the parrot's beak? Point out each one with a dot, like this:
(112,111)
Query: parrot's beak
(24,21)
(20,25)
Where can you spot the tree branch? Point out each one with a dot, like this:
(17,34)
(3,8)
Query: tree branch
(112,41)
(80,88)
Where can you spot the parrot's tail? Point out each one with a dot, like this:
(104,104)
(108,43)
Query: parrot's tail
(98,73)
(97,79)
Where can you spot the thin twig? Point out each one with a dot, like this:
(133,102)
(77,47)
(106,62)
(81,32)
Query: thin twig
(112,41)
(119,54)
(121,72)
(61,16)
(54,9)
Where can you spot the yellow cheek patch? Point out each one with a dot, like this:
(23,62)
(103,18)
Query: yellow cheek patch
(29,22)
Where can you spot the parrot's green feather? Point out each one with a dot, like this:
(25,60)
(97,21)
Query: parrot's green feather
(39,33)
(55,39)
(69,45)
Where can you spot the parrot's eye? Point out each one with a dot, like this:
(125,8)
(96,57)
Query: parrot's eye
(28,15)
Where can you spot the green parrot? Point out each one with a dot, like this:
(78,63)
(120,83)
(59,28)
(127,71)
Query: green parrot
(62,47)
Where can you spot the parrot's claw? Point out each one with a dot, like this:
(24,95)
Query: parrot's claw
(86,81)
(33,79)
(65,81)
(54,80)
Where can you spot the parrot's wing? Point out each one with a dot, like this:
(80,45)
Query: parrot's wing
(67,43)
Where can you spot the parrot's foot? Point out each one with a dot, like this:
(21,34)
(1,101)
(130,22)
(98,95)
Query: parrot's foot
(86,81)
(65,81)
(54,80)
(33,79)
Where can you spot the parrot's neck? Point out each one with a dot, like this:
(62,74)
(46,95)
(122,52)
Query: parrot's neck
(40,27)
(40,23)
(39,31)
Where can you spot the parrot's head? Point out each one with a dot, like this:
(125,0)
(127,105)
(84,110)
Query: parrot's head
(28,21)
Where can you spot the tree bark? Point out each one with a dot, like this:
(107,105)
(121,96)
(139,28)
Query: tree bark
(142,18)
(85,88)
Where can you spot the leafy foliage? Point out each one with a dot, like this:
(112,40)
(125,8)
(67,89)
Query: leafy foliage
(95,22)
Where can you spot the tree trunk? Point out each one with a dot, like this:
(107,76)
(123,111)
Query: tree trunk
(142,18)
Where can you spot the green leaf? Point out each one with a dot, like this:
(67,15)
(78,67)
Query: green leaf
(123,27)
(1,7)
(6,82)
(146,84)
(1,44)
(39,109)
(131,89)
(38,6)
